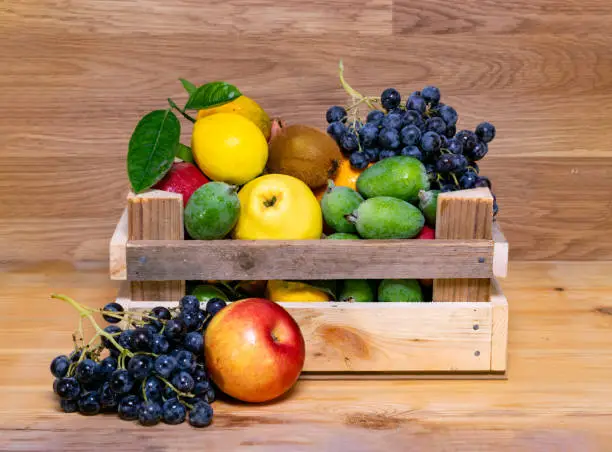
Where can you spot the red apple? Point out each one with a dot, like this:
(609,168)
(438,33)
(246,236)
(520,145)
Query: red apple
(426,233)
(254,350)
(183,178)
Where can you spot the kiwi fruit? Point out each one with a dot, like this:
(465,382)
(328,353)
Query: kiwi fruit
(306,153)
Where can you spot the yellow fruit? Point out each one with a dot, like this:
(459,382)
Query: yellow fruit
(294,291)
(243,106)
(229,148)
(346,176)
(276,206)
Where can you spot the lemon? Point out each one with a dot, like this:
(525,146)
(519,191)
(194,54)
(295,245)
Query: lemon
(280,291)
(244,106)
(229,148)
(277,206)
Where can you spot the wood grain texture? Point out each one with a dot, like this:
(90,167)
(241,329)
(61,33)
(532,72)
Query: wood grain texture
(385,339)
(307,259)
(118,246)
(156,215)
(558,396)
(77,75)
(464,215)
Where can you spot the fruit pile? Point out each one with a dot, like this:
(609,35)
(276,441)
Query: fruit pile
(151,370)
(421,127)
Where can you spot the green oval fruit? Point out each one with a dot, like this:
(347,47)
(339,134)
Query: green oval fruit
(387,218)
(336,204)
(342,236)
(399,177)
(212,211)
(428,203)
(400,290)
(357,290)
(205,292)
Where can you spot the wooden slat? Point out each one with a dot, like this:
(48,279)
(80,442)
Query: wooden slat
(500,252)
(464,214)
(156,215)
(391,337)
(118,244)
(499,329)
(308,259)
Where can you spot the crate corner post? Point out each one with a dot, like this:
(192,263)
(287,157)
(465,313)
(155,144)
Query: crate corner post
(155,215)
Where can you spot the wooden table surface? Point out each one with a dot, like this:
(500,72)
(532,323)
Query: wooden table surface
(558,396)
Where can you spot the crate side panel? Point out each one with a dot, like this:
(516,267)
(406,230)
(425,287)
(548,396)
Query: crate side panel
(308,259)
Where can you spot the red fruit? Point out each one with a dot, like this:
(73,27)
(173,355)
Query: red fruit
(277,127)
(427,233)
(183,178)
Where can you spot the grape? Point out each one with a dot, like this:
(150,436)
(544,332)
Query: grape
(335,113)
(114,330)
(413,118)
(368,134)
(108,397)
(68,388)
(200,374)
(86,371)
(372,154)
(201,387)
(436,125)
(445,164)
(89,403)
(106,367)
(125,339)
(410,135)
(112,307)
(191,320)
(450,131)
(128,408)
(59,366)
(173,412)
(455,146)
(430,142)
(448,114)
(447,187)
(416,103)
(485,131)
(478,151)
(375,117)
(140,366)
(164,365)
(69,406)
(214,305)
(183,381)
(358,160)
(390,99)
(149,413)
(482,181)
(474,166)
(389,138)
(386,154)
(153,389)
(468,179)
(336,130)
(392,121)
(412,151)
(169,393)
(349,142)
(174,330)
(431,94)
(189,303)
(142,339)
(159,344)
(186,361)
(460,163)
(201,415)
(209,396)
(468,139)
(161,313)
(121,381)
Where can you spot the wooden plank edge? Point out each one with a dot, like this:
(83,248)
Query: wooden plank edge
(118,248)
(500,252)
(499,328)
(323,376)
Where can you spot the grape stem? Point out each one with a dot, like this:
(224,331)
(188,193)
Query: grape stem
(86,312)
(171,386)
(355,95)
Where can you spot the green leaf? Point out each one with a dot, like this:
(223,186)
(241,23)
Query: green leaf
(189,87)
(211,95)
(151,149)
(184,153)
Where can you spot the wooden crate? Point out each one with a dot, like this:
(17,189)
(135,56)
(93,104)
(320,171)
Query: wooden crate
(458,338)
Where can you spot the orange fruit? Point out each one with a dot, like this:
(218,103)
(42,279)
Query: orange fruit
(346,176)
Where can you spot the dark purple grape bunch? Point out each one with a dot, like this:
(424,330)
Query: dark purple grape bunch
(151,371)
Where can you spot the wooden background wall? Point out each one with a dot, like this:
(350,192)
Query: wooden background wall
(75,76)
